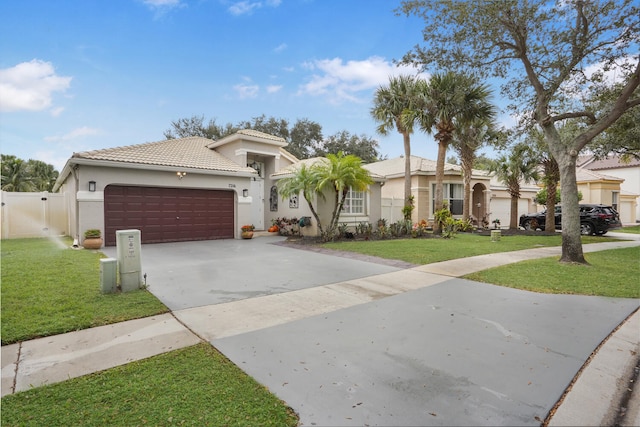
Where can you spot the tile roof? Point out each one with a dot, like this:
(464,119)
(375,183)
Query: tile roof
(585,175)
(258,134)
(291,169)
(395,166)
(191,152)
(612,163)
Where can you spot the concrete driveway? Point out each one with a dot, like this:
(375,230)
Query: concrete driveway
(446,352)
(193,274)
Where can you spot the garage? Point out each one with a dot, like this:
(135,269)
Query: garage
(168,214)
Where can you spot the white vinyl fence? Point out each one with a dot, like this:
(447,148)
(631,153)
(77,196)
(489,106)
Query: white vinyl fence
(392,209)
(33,215)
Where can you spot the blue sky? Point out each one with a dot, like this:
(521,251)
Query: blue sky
(79,75)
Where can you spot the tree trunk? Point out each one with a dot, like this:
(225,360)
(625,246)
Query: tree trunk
(439,196)
(513,217)
(571,241)
(407,168)
(466,158)
(552,177)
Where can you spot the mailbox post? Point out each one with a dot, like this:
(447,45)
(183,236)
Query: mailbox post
(128,248)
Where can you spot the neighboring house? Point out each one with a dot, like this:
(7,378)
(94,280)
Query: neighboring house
(490,200)
(182,189)
(611,181)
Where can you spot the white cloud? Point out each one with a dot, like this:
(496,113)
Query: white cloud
(246,90)
(244,7)
(29,86)
(161,7)
(74,134)
(344,81)
(162,4)
(614,74)
(274,88)
(280,48)
(55,112)
(247,7)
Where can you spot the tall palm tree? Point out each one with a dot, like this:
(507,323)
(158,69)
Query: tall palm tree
(399,106)
(466,141)
(305,181)
(452,100)
(15,175)
(519,166)
(341,173)
(337,173)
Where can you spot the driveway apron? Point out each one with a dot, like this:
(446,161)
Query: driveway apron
(455,353)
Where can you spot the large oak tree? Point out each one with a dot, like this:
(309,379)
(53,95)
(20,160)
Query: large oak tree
(546,52)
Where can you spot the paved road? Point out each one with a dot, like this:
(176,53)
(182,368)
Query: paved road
(447,352)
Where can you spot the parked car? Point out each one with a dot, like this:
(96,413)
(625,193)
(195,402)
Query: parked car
(594,219)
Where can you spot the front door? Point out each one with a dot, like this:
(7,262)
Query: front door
(256,191)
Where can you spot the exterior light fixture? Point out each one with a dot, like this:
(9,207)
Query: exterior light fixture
(181,174)
(245,192)
(92,186)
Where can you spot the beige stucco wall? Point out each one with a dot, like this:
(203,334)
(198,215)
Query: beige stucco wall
(599,192)
(91,204)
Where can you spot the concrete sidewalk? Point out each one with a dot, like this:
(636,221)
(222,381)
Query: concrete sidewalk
(57,358)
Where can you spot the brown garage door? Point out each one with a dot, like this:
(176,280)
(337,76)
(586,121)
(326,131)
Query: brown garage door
(168,214)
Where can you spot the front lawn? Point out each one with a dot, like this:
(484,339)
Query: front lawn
(191,386)
(49,288)
(611,273)
(429,250)
(634,229)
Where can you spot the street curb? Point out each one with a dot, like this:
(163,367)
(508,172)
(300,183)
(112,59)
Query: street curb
(598,389)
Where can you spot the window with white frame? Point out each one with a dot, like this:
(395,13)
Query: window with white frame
(614,199)
(453,195)
(354,203)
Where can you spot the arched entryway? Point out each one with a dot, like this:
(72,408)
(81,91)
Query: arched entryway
(479,205)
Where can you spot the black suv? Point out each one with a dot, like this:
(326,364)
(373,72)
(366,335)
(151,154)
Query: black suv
(594,219)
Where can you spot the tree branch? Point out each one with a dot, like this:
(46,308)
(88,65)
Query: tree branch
(622,104)
(590,116)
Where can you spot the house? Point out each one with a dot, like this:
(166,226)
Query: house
(611,181)
(184,189)
(490,198)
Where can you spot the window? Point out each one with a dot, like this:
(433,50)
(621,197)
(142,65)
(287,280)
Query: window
(354,202)
(453,194)
(614,199)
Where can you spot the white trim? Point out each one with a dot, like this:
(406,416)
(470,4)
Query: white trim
(90,196)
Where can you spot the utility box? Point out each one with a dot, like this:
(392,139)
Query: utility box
(108,275)
(128,250)
(495,235)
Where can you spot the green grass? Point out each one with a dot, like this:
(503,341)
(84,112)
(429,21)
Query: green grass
(195,386)
(634,229)
(430,250)
(49,289)
(611,273)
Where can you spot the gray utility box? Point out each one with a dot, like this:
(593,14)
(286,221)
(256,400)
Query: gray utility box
(128,248)
(108,275)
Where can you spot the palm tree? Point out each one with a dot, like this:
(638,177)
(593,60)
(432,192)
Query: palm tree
(305,181)
(341,173)
(452,100)
(519,166)
(337,173)
(15,175)
(398,106)
(466,141)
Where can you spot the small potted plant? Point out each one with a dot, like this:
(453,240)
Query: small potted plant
(92,239)
(247,231)
(496,223)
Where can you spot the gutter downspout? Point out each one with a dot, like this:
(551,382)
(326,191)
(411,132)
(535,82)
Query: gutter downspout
(76,178)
